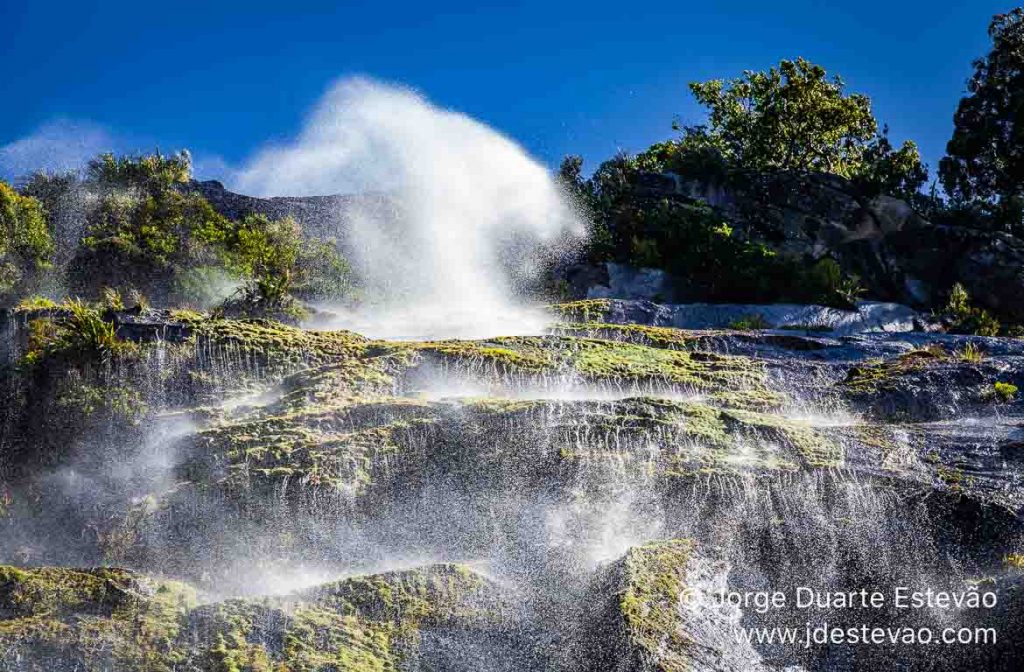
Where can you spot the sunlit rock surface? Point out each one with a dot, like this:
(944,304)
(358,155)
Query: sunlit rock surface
(574,500)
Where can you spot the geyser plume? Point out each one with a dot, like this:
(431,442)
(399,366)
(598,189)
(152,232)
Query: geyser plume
(467,210)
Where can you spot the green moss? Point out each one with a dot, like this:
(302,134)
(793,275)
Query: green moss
(99,618)
(115,619)
(187,316)
(33,304)
(279,344)
(811,447)
(341,449)
(587,310)
(597,360)
(876,376)
(655,337)
(654,577)
(82,398)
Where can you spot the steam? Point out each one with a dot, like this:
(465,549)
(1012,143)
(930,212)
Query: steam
(462,228)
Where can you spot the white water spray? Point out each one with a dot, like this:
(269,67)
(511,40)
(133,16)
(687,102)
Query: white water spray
(467,210)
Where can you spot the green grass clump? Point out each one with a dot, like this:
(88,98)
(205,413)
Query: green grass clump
(75,331)
(971,353)
(751,322)
(1004,391)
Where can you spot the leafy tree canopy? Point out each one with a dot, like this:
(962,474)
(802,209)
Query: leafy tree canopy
(25,241)
(984,166)
(792,117)
(143,230)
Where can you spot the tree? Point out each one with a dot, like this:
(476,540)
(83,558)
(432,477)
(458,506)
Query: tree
(145,230)
(794,117)
(25,241)
(280,264)
(984,165)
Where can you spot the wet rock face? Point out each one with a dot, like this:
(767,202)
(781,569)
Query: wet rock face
(576,500)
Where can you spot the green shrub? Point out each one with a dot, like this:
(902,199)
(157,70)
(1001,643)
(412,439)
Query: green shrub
(1005,391)
(75,331)
(150,173)
(26,244)
(144,233)
(963,317)
(750,322)
(280,265)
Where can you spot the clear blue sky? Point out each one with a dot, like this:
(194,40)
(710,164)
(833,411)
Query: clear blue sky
(588,78)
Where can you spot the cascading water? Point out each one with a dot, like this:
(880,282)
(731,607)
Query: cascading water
(271,461)
(465,211)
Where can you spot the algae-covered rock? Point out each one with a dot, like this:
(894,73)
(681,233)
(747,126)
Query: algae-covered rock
(656,612)
(929,383)
(229,453)
(59,619)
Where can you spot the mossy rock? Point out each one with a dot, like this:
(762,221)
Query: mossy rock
(585,310)
(925,384)
(58,619)
(654,583)
(351,448)
(592,360)
(875,376)
(639,334)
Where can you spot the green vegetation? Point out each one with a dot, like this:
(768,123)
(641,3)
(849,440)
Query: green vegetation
(146,234)
(983,172)
(971,353)
(875,376)
(1004,391)
(26,245)
(693,241)
(963,317)
(655,585)
(794,117)
(116,619)
(281,265)
(72,330)
(750,322)
(791,118)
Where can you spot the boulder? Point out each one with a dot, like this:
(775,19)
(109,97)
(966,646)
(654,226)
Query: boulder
(658,609)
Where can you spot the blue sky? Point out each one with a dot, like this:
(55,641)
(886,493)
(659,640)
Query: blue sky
(587,78)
